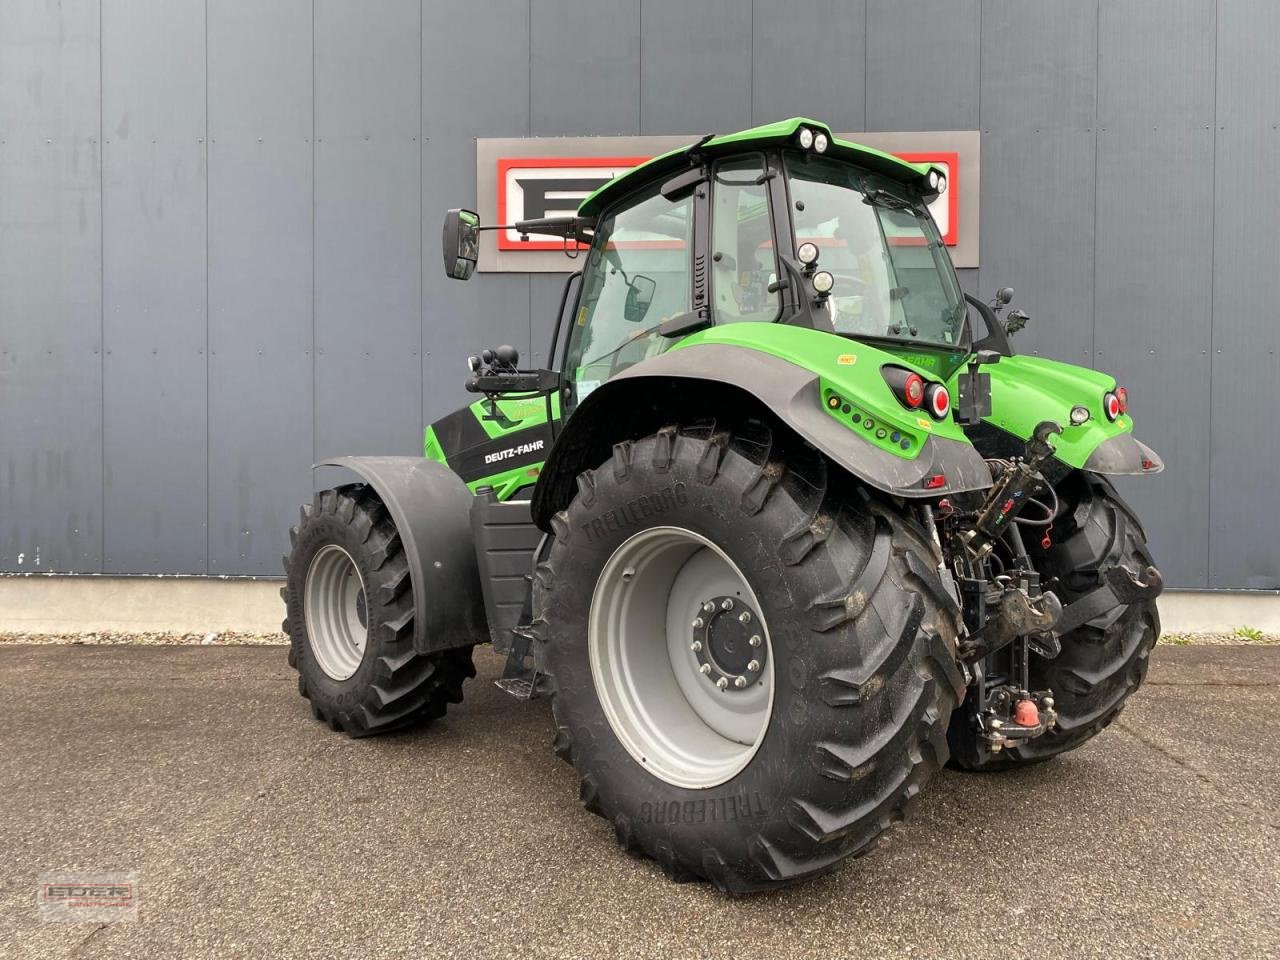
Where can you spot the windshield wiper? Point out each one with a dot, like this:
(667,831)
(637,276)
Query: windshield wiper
(883,198)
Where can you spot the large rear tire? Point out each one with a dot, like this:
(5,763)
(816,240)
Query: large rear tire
(1103,662)
(350,613)
(677,554)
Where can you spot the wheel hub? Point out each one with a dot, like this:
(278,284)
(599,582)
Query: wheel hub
(726,642)
(679,711)
(335,610)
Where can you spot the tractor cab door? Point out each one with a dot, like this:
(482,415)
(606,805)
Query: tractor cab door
(638,274)
(648,265)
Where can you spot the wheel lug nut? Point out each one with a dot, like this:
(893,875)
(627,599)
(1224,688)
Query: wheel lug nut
(740,682)
(705,668)
(753,666)
(708,607)
(726,603)
(722,682)
(697,623)
(696,646)
(744,617)
(755,640)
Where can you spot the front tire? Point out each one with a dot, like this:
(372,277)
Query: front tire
(844,718)
(350,621)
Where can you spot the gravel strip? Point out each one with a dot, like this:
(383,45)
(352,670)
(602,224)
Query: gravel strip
(236,639)
(112,638)
(1235,638)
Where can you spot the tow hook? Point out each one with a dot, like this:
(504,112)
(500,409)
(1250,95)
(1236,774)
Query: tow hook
(1016,716)
(1015,614)
(1120,587)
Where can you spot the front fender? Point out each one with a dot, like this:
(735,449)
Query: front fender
(1026,390)
(431,508)
(793,393)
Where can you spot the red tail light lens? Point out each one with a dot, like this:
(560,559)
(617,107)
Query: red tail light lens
(1111,406)
(1123,396)
(913,390)
(938,401)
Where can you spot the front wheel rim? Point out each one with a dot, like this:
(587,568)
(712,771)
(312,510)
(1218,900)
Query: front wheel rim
(681,657)
(334,607)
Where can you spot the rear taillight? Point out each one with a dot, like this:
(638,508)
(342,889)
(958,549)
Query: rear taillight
(1111,406)
(913,390)
(938,401)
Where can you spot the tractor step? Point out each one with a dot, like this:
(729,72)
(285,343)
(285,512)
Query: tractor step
(524,688)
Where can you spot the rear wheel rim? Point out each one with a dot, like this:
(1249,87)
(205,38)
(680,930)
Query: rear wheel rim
(674,626)
(334,606)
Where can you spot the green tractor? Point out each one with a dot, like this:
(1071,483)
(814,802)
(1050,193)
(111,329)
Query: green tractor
(789,528)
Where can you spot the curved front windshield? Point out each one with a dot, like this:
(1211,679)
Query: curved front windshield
(893,279)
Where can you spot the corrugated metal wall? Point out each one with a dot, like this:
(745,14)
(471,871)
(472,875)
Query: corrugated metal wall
(219,229)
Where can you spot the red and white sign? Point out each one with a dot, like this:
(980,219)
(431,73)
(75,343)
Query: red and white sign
(533,187)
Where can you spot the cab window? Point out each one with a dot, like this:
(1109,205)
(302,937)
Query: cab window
(742,252)
(638,276)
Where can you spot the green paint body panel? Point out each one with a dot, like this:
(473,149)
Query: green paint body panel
(849,371)
(1028,390)
(519,417)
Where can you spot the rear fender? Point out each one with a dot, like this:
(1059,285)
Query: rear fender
(431,507)
(640,397)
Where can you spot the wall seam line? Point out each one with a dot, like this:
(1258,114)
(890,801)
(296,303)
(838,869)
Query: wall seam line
(1097,150)
(314,136)
(422,240)
(208,317)
(1213,270)
(102,289)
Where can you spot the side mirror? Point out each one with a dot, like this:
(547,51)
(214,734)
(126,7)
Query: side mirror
(461,244)
(1004,295)
(640,293)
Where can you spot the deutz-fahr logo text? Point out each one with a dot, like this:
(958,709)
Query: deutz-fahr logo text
(516,451)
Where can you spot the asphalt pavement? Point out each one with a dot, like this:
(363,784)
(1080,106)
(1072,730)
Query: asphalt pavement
(253,831)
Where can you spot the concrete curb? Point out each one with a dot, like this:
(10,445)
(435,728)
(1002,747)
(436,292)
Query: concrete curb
(62,603)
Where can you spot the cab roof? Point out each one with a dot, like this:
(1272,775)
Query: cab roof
(771,134)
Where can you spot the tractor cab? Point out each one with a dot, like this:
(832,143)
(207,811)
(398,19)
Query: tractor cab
(781,224)
(791,227)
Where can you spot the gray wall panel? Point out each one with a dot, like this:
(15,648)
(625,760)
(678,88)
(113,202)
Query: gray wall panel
(1037,188)
(459,319)
(50,288)
(155,388)
(809,59)
(260,275)
(1038,88)
(939,44)
(368,62)
(50,356)
(584,75)
(368,297)
(49,69)
(695,70)
(1038,65)
(1154,259)
(1246,288)
(368,241)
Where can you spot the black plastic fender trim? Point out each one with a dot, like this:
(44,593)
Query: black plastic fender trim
(1123,455)
(431,508)
(790,391)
